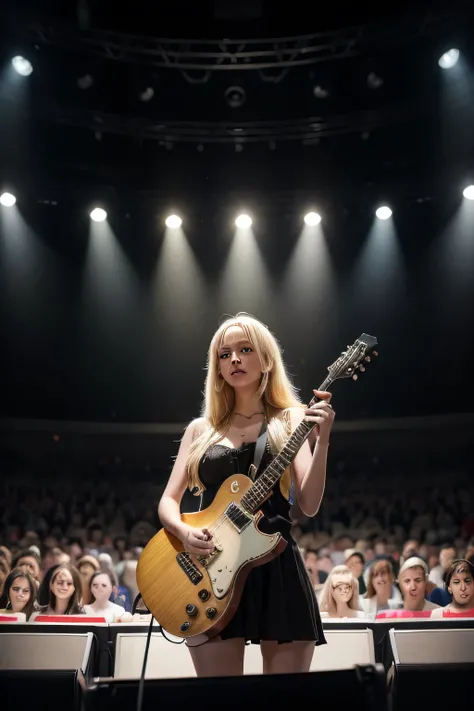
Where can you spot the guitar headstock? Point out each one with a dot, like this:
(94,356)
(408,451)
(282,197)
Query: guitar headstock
(355,358)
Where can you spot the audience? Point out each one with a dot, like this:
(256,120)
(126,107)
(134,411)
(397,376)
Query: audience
(83,530)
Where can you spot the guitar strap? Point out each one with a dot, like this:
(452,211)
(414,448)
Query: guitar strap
(259,450)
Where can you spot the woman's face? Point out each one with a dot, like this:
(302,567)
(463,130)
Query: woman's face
(413,585)
(355,565)
(20,593)
(238,362)
(30,565)
(382,582)
(101,588)
(342,592)
(62,585)
(461,588)
(86,571)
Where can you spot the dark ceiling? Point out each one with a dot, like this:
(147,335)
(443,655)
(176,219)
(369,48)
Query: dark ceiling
(346,107)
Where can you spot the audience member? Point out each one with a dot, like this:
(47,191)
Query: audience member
(19,593)
(64,593)
(355,562)
(101,591)
(412,580)
(446,556)
(381,593)
(460,584)
(340,594)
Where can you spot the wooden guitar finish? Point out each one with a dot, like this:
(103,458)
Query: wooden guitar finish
(194,597)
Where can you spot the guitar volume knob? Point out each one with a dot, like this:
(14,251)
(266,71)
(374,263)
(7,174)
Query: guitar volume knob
(211,612)
(191,610)
(185,626)
(204,595)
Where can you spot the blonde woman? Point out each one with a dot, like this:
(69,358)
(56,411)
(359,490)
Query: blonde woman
(247,386)
(340,594)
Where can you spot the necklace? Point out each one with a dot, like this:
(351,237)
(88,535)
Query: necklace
(249,417)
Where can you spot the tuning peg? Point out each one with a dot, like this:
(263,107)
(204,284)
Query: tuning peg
(355,377)
(361,368)
(375,353)
(367,359)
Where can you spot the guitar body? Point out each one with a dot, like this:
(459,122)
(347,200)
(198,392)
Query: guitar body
(195,598)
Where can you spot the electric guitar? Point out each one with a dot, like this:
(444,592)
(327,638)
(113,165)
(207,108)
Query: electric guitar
(195,597)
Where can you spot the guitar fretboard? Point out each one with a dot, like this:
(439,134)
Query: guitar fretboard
(261,489)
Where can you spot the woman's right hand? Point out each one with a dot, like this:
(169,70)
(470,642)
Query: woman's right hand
(198,541)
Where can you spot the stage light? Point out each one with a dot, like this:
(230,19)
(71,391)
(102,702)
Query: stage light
(173,222)
(7,199)
(98,214)
(312,219)
(449,59)
(469,192)
(320,92)
(85,82)
(383,213)
(22,66)
(235,96)
(374,81)
(147,94)
(243,222)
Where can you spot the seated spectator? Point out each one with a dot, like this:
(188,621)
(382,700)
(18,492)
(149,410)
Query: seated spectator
(64,593)
(355,562)
(317,577)
(30,562)
(7,554)
(4,570)
(87,566)
(412,580)
(101,591)
(460,584)
(340,594)
(19,594)
(380,593)
(42,598)
(446,556)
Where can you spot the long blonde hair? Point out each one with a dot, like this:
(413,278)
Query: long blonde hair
(339,574)
(276,391)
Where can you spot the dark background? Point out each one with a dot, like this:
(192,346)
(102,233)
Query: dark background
(124,338)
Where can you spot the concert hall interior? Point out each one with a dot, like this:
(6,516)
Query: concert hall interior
(295,183)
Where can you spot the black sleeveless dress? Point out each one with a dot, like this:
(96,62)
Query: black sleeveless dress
(278,601)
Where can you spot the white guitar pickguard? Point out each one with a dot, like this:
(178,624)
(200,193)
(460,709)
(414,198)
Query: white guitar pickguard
(236,549)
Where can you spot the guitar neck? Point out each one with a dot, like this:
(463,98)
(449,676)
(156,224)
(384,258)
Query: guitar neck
(261,489)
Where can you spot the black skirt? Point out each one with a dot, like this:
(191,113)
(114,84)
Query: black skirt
(278,601)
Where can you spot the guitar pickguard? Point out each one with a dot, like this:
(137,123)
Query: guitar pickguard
(236,549)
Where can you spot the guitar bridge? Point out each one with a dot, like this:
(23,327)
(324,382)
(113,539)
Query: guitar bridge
(191,570)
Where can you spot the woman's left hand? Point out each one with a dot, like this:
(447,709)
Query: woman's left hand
(322,413)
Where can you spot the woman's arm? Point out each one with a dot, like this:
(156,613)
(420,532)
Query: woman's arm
(195,541)
(309,468)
